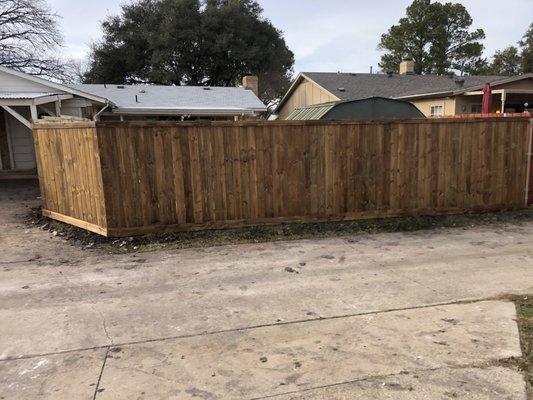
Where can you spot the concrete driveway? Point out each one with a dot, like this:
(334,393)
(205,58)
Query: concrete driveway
(385,316)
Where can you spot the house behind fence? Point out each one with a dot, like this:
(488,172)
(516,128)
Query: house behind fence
(121,179)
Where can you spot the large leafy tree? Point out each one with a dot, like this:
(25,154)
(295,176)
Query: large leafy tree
(526,45)
(192,42)
(510,61)
(30,39)
(506,62)
(436,36)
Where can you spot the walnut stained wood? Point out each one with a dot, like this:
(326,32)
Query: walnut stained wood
(122,179)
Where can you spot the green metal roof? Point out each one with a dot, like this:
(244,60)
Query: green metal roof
(311,113)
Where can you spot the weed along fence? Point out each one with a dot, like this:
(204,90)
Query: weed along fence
(121,179)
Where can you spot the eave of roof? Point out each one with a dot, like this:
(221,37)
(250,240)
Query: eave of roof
(54,85)
(498,83)
(449,93)
(186,111)
(425,95)
(25,95)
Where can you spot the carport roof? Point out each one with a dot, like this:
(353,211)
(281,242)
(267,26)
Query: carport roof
(25,95)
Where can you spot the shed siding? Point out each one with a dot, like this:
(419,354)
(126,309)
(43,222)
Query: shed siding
(21,141)
(307,93)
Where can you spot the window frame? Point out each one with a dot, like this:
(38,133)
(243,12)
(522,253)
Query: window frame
(432,109)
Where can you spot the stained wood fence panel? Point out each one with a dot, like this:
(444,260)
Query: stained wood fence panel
(68,165)
(164,176)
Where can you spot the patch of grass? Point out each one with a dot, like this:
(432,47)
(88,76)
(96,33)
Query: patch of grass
(524,313)
(273,233)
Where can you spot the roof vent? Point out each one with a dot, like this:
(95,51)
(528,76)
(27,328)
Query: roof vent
(120,86)
(460,81)
(390,74)
(142,91)
(341,89)
(207,88)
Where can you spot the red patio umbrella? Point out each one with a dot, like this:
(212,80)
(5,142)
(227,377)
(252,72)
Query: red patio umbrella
(486,107)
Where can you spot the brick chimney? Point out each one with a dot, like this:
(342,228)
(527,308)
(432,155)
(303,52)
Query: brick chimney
(407,67)
(251,83)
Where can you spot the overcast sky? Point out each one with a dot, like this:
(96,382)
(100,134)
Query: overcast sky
(325,35)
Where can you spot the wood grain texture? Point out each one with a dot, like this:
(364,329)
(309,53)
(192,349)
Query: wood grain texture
(68,165)
(164,176)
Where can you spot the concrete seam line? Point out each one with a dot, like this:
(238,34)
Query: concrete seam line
(483,365)
(242,329)
(100,376)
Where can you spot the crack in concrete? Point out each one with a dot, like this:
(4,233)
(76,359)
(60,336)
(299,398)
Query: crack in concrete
(93,301)
(97,387)
(105,329)
(258,326)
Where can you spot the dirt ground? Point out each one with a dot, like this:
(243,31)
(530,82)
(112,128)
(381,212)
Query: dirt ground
(412,315)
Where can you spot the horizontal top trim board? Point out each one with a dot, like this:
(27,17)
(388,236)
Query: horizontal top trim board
(306,123)
(63,125)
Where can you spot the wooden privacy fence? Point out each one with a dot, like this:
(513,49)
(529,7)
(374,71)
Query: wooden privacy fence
(121,179)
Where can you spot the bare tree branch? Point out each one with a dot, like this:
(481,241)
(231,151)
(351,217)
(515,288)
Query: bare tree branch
(30,39)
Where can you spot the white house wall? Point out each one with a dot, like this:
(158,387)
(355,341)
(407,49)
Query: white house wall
(20,141)
(73,107)
(11,83)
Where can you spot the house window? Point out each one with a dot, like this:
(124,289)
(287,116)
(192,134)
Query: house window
(475,108)
(436,111)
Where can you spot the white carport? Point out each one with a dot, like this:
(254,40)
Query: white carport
(25,98)
(35,102)
(19,109)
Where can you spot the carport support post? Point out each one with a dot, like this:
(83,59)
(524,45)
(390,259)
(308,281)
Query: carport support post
(5,155)
(504,99)
(529,187)
(33,110)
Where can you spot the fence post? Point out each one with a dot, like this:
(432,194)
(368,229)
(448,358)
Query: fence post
(529,185)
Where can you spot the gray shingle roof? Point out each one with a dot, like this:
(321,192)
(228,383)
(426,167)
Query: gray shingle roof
(359,86)
(178,99)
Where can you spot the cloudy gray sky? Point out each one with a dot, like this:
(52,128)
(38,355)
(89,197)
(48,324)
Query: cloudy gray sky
(325,35)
